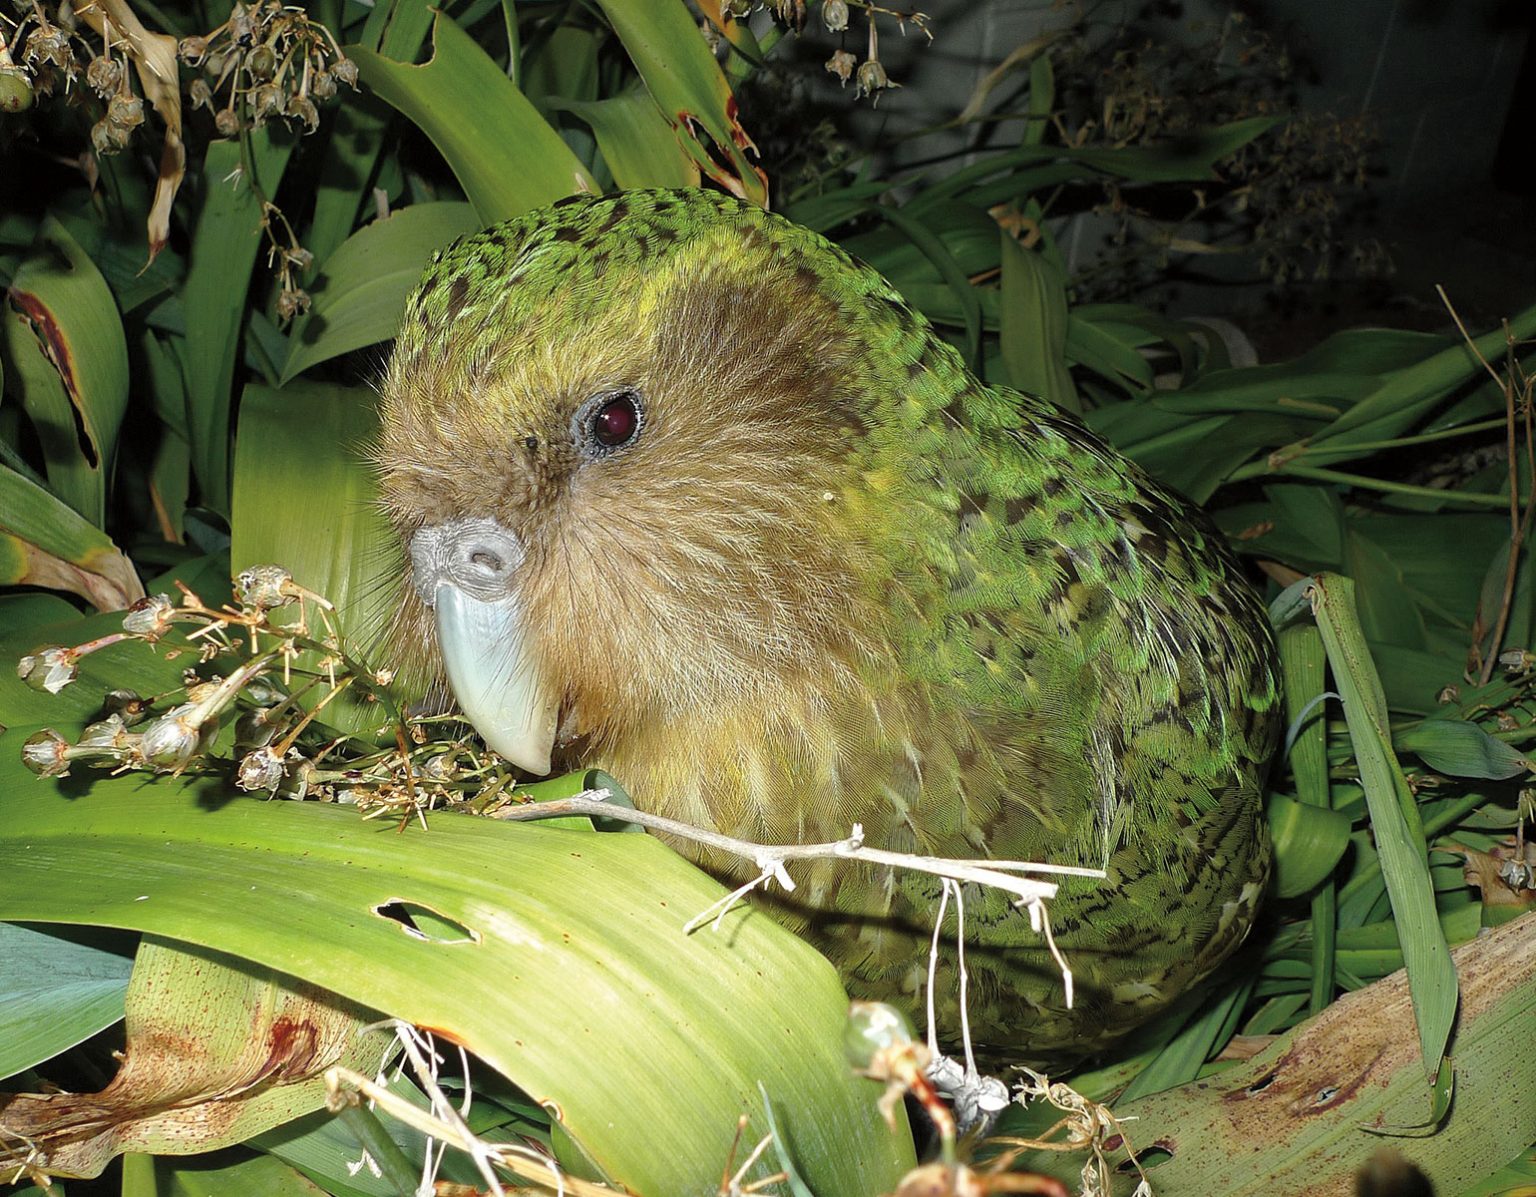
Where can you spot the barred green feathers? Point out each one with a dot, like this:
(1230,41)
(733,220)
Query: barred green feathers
(839,580)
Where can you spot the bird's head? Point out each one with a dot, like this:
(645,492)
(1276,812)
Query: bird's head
(636,448)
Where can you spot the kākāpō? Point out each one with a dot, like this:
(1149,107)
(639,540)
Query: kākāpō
(690,493)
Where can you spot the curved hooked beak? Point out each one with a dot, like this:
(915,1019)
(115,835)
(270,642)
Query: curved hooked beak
(464,570)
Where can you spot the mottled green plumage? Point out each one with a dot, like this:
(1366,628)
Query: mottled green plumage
(837,579)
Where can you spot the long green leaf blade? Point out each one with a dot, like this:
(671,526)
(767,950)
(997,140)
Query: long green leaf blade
(1395,823)
(573,978)
(44,542)
(361,294)
(68,358)
(689,88)
(304,499)
(224,248)
(505,155)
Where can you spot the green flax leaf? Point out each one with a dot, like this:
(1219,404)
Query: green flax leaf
(224,248)
(230,1174)
(67,362)
(1304,662)
(1034,325)
(57,990)
(690,89)
(505,155)
(217,1050)
(576,981)
(1395,822)
(1463,749)
(304,499)
(44,542)
(360,295)
(639,146)
(1309,841)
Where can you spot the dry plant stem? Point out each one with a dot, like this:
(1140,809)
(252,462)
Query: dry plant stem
(1518,520)
(288,740)
(445,1124)
(771,858)
(730,1183)
(1085,1124)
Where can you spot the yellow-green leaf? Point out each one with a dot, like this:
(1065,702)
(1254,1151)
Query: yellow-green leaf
(44,542)
(1394,817)
(304,499)
(217,1050)
(574,978)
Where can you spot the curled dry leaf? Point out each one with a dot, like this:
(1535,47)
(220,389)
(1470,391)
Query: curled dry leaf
(218,1050)
(154,57)
(1506,877)
(107,580)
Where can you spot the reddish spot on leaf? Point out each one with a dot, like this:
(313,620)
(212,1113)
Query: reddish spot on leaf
(56,349)
(292,1048)
(51,336)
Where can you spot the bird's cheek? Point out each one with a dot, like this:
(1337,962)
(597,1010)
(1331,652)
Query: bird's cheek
(466,571)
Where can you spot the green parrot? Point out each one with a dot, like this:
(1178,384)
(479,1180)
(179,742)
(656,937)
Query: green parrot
(689,493)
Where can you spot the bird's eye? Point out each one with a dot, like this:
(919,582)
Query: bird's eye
(610,421)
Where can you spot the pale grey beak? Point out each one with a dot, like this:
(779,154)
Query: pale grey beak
(465,570)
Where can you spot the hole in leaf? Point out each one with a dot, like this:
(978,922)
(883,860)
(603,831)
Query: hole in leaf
(422,922)
(1263,1083)
(1148,1157)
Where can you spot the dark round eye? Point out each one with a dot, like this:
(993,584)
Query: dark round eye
(614,420)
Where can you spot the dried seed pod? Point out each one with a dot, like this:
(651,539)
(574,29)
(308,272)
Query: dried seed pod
(264,587)
(261,769)
(125,111)
(150,617)
(241,31)
(175,739)
(871,78)
(304,109)
(127,704)
(105,75)
(47,45)
(443,767)
(835,14)
(227,122)
(292,302)
(873,1028)
(841,64)
(261,62)
(255,729)
(108,733)
(266,102)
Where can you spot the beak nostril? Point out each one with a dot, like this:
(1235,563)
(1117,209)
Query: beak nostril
(476,554)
